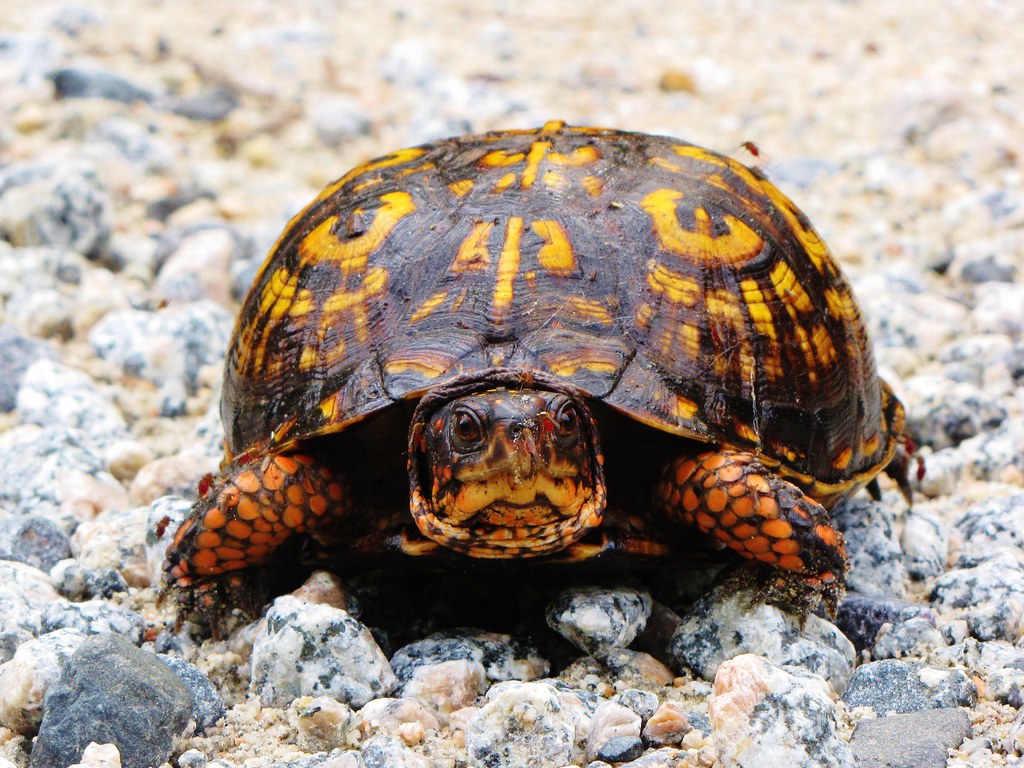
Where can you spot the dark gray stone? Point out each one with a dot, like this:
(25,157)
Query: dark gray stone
(619,749)
(207,705)
(502,657)
(95,83)
(861,616)
(892,686)
(33,540)
(111,692)
(598,620)
(912,740)
(872,545)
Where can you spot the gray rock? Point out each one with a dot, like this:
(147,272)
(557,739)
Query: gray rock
(911,740)
(63,205)
(207,705)
(195,262)
(925,544)
(525,724)
(910,637)
(991,526)
(954,414)
(644,703)
(990,596)
(207,106)
(872,546)
(112,692)
(56,473)
(17,353)
(598,620)
(53,395)
(33,540)
(337,119)
(763,715)
(721,626)
(25,592)
(116,539)
(307,649)
(88,82)
(860,617)
(77,583)
(386,752)
(500,657)
(908,686)
(93,617)
(619,749)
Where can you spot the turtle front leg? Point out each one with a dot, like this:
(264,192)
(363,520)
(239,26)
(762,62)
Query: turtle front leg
(734,497)
(238,523)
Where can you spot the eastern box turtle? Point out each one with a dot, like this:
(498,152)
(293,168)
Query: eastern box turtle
(560,343)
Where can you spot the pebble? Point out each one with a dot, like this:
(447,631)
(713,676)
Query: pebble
(387,752)
(33,540)
(598,620)
(324,723)
(305,649)
(872,546)
(911,740)
(17,353)
(924,542)
(88,82)
(727,623)
(763,715)
(992,526)
(60,205)
(26,677)
(671,722)
(93,617)
(87,704)
(525,724)
(210,105)
(612,722)
(194,262)
(620,749)
(861,617)
(990,596)
(207,705)
(391,716)
(891,686)
(115,541)
(99,756)
(25,592)
(643,703)
(916,636)
(448,670)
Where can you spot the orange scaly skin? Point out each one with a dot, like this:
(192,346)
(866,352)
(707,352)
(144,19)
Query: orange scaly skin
(239,522)
(732,496)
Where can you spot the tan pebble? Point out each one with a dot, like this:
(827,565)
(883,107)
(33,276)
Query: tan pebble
(323,724)
(668,725)
(324,588)
(411,733)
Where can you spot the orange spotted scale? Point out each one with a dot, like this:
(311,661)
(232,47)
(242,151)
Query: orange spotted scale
(495,346)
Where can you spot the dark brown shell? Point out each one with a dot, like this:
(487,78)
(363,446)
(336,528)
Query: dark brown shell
(674,284)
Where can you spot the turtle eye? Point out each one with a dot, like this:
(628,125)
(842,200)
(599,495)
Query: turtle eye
(567,420)
(467,430)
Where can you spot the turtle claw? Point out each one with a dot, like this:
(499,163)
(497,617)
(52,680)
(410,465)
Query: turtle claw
(220,602)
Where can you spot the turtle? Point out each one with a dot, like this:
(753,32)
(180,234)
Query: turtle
(558,344)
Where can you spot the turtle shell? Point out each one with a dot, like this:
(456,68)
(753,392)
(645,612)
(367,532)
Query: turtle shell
(674,284)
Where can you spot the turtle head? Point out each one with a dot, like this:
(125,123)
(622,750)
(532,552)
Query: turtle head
(507,472)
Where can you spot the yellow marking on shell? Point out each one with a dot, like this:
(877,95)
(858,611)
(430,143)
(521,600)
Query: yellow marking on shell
(395,158)
(429,365)
(746,432)
(593,185)
(500,158)
(588,154)
(308,357)
(504,182)
(364,185)
(555,180)
(810,364)
(569,363)
(352,253)
(809,240)
(692,152)
(533,160)
(842,461)
(428,307)
(643,315)
(869,446)
(591,309)
(674,286)
(736,246)
(841,305)
(789,289)
(684,408)
(556,255)
(329,409)
(474,252)
(824,349)
(278,293)
(755,300)
(508,266)
(356,302)
(462,187)
(557,126)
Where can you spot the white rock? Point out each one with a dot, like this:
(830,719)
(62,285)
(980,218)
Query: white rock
(24,594)
(116,540)
(609,721)
(389,715)
(323,724)
(762,715)
(25,679)
(99,756)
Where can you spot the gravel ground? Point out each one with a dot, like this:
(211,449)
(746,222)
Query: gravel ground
(150,154)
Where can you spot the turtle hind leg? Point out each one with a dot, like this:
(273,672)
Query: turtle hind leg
(734,497)
(213,559)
